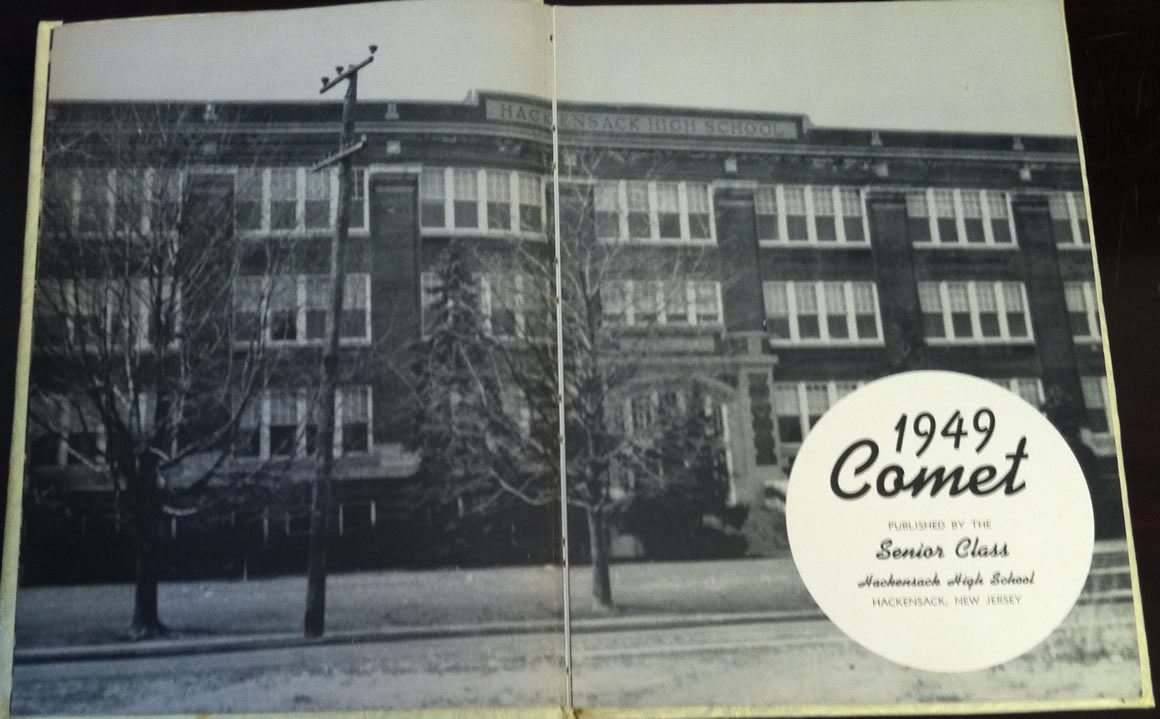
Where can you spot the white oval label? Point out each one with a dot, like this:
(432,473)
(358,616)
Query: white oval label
(940,521)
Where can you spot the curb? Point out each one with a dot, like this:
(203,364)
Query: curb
(216,645)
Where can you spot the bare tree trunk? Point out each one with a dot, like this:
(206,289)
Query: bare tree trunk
(146,622)
(598,540)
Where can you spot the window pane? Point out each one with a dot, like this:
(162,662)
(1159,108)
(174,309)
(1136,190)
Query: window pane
(944,203)
(795,200)
(765,201)
(823,201)
(637,197)
(465,184)
(851,202)
(318,199)
(676,302)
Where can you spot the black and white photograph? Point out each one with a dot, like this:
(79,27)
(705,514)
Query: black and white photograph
(435,353)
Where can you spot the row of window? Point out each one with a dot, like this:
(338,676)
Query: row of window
(640,210)
(973,218)
(270,199)
(294,309)
(822,312)
(276,423)
(96,312)
(474,199)
(822,215)
(296,199)
(506,304)
(283,423)
(664,302)
(955,312)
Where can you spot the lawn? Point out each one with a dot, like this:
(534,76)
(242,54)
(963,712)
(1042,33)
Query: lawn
(95,614)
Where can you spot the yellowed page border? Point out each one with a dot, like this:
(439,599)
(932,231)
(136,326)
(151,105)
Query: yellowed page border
(9,570)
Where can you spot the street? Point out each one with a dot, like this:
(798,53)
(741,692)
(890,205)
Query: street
(750,663)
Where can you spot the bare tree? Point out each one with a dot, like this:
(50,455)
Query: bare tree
(496,431)
(146,366)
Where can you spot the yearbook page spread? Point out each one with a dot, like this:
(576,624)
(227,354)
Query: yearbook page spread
(645,360)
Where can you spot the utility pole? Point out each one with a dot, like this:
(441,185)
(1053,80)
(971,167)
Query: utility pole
(315,620)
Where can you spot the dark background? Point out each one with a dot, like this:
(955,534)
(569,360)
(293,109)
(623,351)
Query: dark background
(1115,54)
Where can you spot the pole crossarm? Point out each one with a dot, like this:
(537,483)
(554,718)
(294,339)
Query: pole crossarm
(338,156)
(348,72)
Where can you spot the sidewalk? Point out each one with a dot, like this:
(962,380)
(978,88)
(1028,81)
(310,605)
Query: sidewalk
(211,645)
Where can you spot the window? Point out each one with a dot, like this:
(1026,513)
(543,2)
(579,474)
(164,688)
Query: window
(821,214)
(283,423)
(502,304)
(973,216)
(290,434)
(796,221)
(765,206)
(646,308)
(105,313)
(1000,217)
(822,312)
(1069,219)
(960,217)
(614,302)
(248,199)
(974,311)
(668,210)
(499,201)
(852,215)
(99,201)
(638,210)
(648,302)
(94,192)
(797,407)
(699,200)
(607,210)
(283,309)
(676,306)
(1081,310)
(317,306)
(1028,388)
(1095,401)
(358,200)
(480,200)
(465,205)
(531,203)
(317,206)
(353,429)
(248,441)
(918,217)
(944,213)
(432,194)
(129,201)
(708,304)
(825,226)
(63,431)
(294,199)
(283,198)
(356,313)
(249,297)
(294,308)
